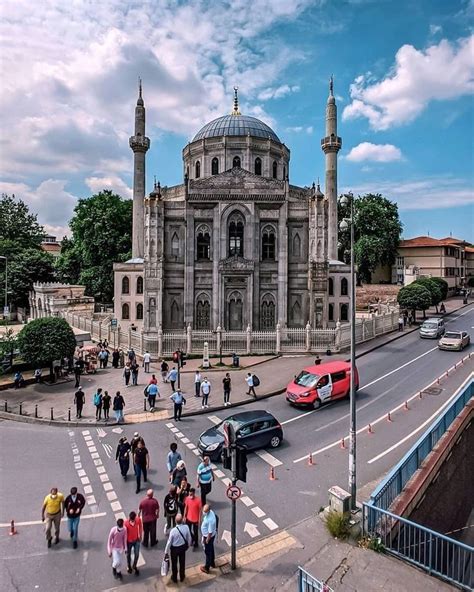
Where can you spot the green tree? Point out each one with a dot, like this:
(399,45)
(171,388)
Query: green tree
(34,265)
(101,235)
(433,288)
(377,233)
(44,340)
(443,286)
(7,347)
(19,229)
(414,297)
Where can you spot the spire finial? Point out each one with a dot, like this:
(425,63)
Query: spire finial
(235,110)
(331,85)
(319,187)
(140,98)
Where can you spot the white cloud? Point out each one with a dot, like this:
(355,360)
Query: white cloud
(300,128)
(374,152)
(115,184)
(435,29)
(278,92)
(441,72)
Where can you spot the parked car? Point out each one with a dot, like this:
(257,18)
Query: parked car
(432,328)
(454,340)
(319,384)
(253,429)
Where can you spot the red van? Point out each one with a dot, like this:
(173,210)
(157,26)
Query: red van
(319,384)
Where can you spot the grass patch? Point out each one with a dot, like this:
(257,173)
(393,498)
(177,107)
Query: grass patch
(337,524)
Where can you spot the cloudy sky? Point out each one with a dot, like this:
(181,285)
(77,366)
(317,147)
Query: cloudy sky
(403,78)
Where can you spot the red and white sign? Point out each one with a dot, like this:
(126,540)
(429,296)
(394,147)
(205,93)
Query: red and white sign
(233,492)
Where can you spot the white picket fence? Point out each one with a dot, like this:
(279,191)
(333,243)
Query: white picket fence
(281,340)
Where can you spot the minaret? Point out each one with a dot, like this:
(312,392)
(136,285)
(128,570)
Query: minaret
(139,143)
(331,144)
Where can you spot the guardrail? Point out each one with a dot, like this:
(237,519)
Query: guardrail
(307,583)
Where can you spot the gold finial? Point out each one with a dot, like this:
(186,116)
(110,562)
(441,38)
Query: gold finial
(235,110)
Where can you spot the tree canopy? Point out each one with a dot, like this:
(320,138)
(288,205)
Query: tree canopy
(414,297)
(33,265)
(377,232)
(433,288)
(44,340)
(101,235)
(443,286)
(19,229)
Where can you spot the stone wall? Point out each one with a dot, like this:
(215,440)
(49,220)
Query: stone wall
(373,293)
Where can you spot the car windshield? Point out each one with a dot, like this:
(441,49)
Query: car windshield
(452,335)
(306,379)
(429,326)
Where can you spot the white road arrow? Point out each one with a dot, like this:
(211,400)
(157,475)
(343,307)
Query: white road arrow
(251,529)
(227,537)
(101,433)
(117,430)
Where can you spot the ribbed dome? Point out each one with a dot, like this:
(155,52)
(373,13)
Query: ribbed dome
(236,125)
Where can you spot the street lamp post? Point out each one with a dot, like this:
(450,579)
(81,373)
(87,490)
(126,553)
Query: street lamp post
(6,286)
(348,223)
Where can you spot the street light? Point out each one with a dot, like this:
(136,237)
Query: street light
(6,312)
(346,223)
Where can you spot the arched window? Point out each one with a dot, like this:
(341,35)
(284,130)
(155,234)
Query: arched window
(215,166)
(125,312)
(125,285)
(236,235)
(267,313)
(296,314)
(139,311)
(330,287)
(344,312)
(331,312)
(275,169)
(174,315)
(152,311)
(284,173)
(198,169)
(258,166)
(139,284)
(268,244)
(236,162)
(175,245)
(203,313)
(203,246)
(344,287)
(235,312)
(296,246)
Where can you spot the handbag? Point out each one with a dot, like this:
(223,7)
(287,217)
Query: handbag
(165,566)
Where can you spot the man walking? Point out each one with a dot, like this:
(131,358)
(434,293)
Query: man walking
(141,461)
(170,505)
(77,373)
(205,477)
(192,515)
(98,403)
(134,529)
(152,392)
(79,399)
(197,384)
(117,547)
(400,323)
(179,401)
(251,385)
(149,511)
(172,377)
(172,460)
(208,532)
(52,512)
(146,361)
(106,399)
(178,543)
(122,456)
(226,383)
(164,370)
(205,390)
(118,405)
(134,369)
(74,504)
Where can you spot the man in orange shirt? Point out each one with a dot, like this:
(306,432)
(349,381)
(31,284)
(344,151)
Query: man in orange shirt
(134,529)
(192,515)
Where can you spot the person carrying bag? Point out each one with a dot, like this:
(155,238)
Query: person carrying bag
(178,543)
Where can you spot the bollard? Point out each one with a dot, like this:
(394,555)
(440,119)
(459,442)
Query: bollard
(406,406)
(21,408)
(310,460)
(343,444)
(36,411)
(389,417)
(272,474)
(52,413)
(421,395)
(69,414)
(13,530)
(6,406)
(370,430)
(144,405)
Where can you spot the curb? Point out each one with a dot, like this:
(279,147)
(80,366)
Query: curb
(232,368)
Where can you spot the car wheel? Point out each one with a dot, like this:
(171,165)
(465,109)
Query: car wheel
(316,404)
(275,442)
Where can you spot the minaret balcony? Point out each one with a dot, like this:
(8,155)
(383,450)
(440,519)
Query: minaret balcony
(331,143)
(139,143)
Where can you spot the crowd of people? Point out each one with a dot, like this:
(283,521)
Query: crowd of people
(188,517)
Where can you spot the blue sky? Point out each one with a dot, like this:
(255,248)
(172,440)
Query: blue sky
(403,79)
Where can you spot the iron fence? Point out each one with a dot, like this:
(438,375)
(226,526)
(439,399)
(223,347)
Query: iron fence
(307,583)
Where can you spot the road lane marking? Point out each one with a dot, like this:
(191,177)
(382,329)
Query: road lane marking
(191,446)
(227,481)
(111,496)
(180,434)
(78,465)
(270,524)
(88,489)
(104,477)
(95,454)
(85,432)
(268,458)
(36,522)
(90,500)
(258,512)
(219,474)
(107,486)
(97,462)
(81,473)
(169,425)
(174,430)
(246,501)
(77,458)
(184,440)
(116,506)
(196,451)
(215,420)
(297,417)
(100,470)
(85,480)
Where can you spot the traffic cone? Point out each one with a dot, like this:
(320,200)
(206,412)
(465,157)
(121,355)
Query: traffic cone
(406,406)
(13,530)
(272,474)
(420,394)
(389,418)
(310,460)
(370,430)
(343,444)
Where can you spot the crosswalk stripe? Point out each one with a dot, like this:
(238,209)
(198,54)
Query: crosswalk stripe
(268,458)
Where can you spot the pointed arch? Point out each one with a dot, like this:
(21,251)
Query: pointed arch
(331,312)
(267,313)
(235,312)
(174,316)
(344,287)
(344,312)
(330,287)
(203,312)
(296,316)
(258,166)
(152,312)
(139,312)
(139,284)
(275,169)
(296,246)
(236,162)
(236,227)
(197,168)
(175,244)
(125,285)
(268,243)
(215,166)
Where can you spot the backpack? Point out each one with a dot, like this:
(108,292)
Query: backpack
(255,380)
(97,399)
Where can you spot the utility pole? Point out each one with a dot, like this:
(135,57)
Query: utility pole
(233,525)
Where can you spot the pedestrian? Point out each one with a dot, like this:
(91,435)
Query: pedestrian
(97,399)
(118,405)
(106,344)
(115,359)
(149,510)
(400,323)
(79,400)
(405,318)
(317,360)
(251,386)
(38,374)
(183,492)
(141,462)
(121,358)
(74,505)
(106,399)
(134,529)
(126,374)
(172,377)
(227,384)
(197,384)
(152,391)
(192,515)
(117,547)
(146,361)
(208,532)
(164,370)
(122,456)
(77,374)
(179,401)
(442,308)
(19,381)
(134,369)
(134,442)
(101,355)
(206,391)
(205,477)
(153,379)
(52,512)
(172,460)
(178,543)
(170,506)
(179,473)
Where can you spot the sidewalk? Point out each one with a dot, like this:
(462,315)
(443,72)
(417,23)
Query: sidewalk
(274,374)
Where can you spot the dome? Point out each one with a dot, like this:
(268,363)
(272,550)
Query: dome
(236,125)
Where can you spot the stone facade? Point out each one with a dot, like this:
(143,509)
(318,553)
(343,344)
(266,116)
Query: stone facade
(50,299)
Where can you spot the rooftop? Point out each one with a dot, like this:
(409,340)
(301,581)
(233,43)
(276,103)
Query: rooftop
(429,241)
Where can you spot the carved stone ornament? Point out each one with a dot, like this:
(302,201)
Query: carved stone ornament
(236,263)
(236,178)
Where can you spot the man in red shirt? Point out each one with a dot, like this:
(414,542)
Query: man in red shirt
(192,515)
(149,511)
(134,535)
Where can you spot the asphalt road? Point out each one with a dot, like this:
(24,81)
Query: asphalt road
(35,458)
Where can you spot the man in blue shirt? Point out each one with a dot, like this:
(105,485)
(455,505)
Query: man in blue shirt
(173,458)
(179,401)
(152,391)
(208,532)
(205,477)
(172,377)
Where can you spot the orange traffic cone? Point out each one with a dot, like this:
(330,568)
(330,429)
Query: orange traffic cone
(389,417)
(343,444)
(310,460)
(370,430)
(13,530)
(272,474)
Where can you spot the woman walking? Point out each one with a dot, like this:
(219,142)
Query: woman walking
(122,456)
(118,405)
(127,372)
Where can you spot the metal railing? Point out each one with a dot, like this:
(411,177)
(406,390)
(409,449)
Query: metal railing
(307,583)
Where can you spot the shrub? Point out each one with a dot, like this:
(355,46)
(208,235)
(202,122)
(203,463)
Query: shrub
(337,524)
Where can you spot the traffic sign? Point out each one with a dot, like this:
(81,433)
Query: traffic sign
(113,324)
(233,492)
(6,310)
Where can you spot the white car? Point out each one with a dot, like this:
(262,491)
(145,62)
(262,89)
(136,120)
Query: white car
(454,340)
